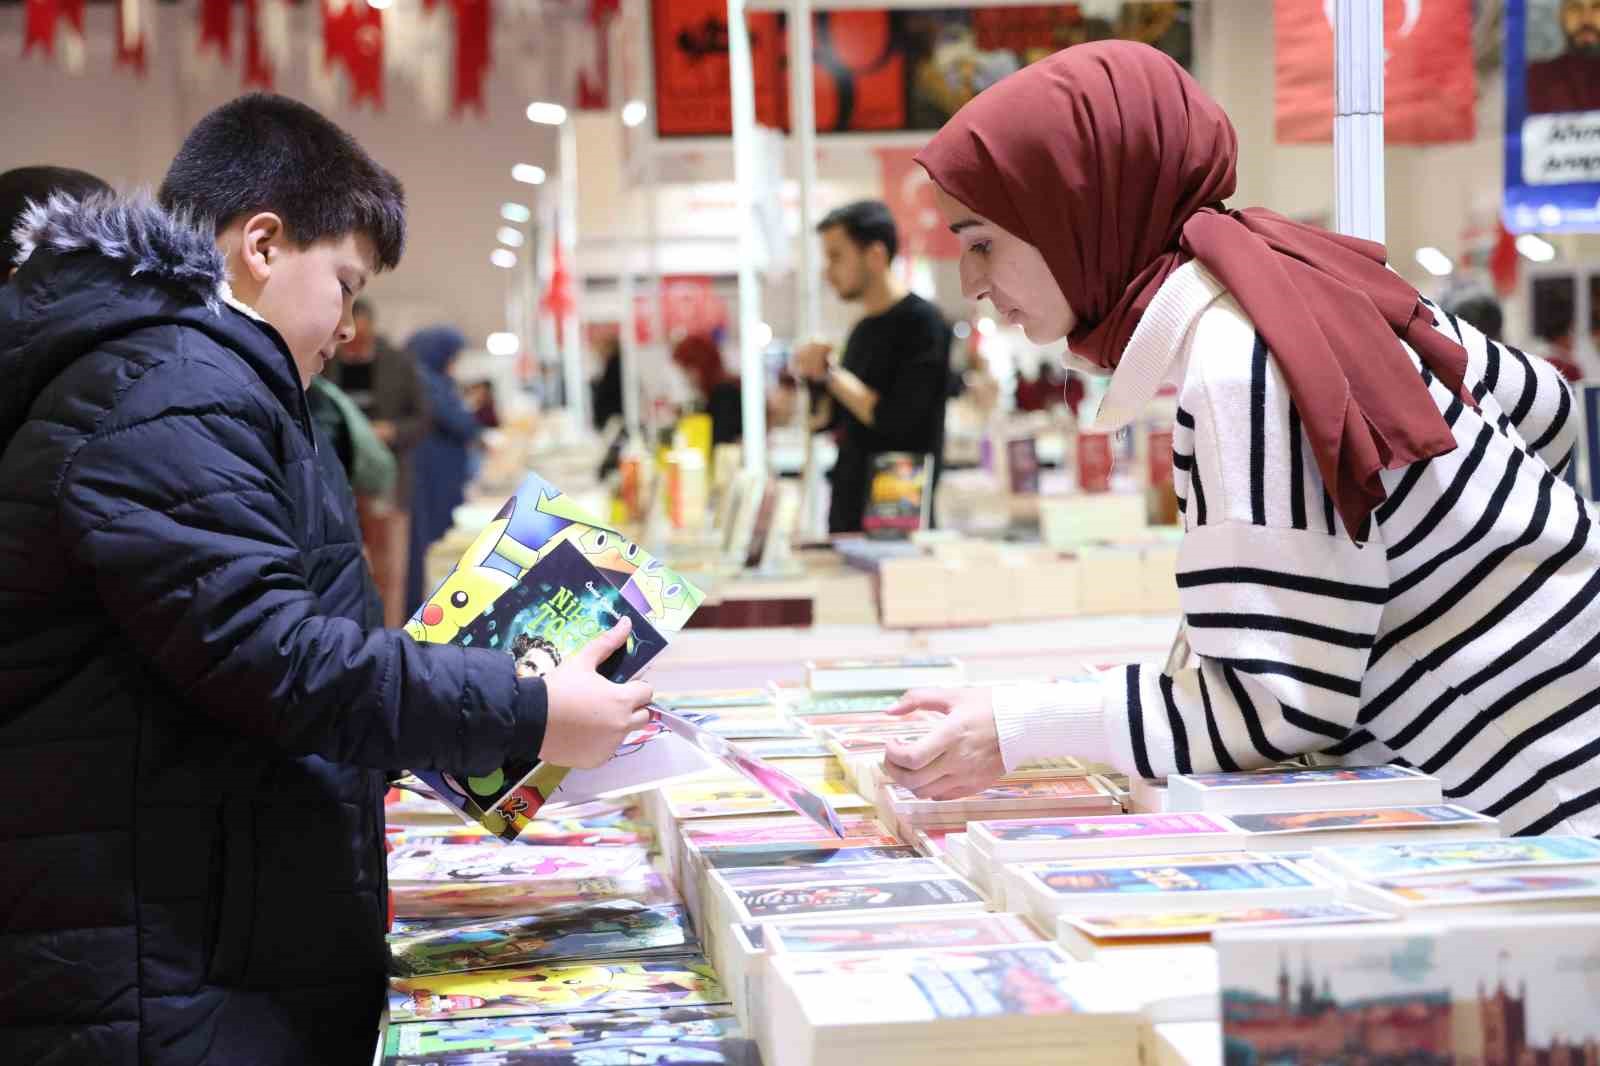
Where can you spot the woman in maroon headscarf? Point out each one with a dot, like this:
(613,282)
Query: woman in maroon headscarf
(1380,558)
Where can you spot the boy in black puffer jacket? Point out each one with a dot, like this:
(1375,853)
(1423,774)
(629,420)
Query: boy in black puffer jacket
(195,717)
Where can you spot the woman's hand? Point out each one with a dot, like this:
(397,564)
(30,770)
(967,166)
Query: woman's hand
(959,757)
(587,716)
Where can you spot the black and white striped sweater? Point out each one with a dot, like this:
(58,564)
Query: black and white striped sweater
(1459,633)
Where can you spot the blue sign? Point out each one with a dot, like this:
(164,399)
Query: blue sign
(1552,161)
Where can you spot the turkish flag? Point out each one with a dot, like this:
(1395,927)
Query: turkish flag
(909,192)
(1430,85)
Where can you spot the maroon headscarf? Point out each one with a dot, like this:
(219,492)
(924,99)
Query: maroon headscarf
(1113,162)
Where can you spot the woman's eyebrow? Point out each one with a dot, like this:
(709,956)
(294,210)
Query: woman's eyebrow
(966,223)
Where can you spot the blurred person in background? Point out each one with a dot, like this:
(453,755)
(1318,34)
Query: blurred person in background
(442,456)
(890,384)
(384,383)
(1570,81)
(23,185)
(717,392)
(605,391)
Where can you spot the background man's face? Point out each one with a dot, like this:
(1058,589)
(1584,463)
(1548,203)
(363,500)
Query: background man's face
(845,264)
(1580,21)
(362,347)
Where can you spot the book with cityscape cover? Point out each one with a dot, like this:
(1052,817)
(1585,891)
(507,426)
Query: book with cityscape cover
(1490,991)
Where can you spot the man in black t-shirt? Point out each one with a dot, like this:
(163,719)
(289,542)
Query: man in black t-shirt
(890,385)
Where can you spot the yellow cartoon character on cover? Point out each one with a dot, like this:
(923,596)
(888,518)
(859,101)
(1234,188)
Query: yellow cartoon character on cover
(530,524)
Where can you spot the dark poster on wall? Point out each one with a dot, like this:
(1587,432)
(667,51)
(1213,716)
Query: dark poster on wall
(880,70)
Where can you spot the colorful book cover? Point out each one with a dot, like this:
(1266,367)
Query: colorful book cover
(1488,889)
(1515,993)
(1358,818)
(716,801)
(720,699)
(915,867)
(786,830)
(774,748)
(1067,788)
(1114,826)
(900,934)
(556,988)
(1191,923)
(1103,862)
(892,662)
(833,899)
(1389,861)
(527,530)
(483,863)
(498,898)
(573,931)
(914,986)
(1172,879)
(1314,775)
(484,1038)
(808,858)
(807,706)
(778,784)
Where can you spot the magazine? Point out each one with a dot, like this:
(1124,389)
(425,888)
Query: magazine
(699,1032)
(557,988)
(572,931)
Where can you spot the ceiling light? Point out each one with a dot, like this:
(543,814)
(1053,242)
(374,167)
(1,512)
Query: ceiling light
(502,344)
(503,258)
(634,112)
(509,236)
(1536,248)
(546,114)
(517,213)
(528,173)
(1434,262)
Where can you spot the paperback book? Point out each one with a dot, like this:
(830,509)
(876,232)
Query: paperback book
(756,904)
(1377,862)
(615,928)
(1020,840)
(657,1034)
(1482,892)
(555,988)
(1085,935)
(899,934)
(1302,789)
(1158,886)
(1299,830)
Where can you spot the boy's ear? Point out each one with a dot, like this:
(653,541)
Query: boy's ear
(260,236)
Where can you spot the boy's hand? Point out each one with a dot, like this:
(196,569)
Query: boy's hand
(587,715)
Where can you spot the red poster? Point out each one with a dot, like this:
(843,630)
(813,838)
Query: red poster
(1430,84)
(910,195)
(691,60)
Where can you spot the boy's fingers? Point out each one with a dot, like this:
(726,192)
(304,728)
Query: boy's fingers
(595,652)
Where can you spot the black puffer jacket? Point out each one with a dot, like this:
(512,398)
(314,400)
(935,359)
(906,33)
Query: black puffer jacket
(194,716)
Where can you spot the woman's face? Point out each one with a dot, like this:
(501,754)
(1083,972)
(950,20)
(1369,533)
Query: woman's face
(1009,272)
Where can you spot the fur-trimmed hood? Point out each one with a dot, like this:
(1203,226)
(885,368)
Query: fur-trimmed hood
(135,231)
(96,272)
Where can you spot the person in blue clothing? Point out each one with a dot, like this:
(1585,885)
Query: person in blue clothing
(443,456)
(197,709)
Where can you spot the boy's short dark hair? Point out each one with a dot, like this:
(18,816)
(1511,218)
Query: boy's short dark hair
(262,152)
(26,185)
(866,222)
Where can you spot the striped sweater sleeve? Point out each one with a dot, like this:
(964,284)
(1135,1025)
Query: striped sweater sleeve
(1282,607)
(1528,394)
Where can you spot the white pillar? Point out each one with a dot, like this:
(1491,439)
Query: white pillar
(575,379)
(742,79)
(808,312)
(630,352)
(1358,197)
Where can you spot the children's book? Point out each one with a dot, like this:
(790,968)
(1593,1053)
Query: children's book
(912,868)
(538,584)
(776,783)
(899,499)
(494,862)
(808,858)
(569,931)
(1017,840)
(556,988)
(1176,885)
(899,934)
(754,904)
(828,676)
(1376,862)
(492,899)
(788,831)
(1302,789)
(1083,934)
(675,1034)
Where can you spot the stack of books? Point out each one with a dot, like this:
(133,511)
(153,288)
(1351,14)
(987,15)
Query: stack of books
(1083,796)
